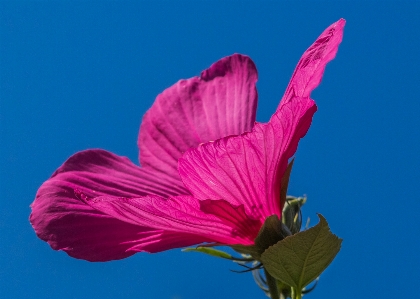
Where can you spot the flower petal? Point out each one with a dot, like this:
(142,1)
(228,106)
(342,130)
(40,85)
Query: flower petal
(247,169)
(311,66)
(165,240)
(234,216)
(62,219)
(181,215)
(221,102)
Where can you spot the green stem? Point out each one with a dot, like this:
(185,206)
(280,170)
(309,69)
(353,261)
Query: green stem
(272,285)
(296,294)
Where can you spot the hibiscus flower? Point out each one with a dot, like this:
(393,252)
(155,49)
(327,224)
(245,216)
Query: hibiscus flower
(209,172)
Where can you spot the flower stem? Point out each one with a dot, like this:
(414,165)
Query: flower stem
(272,285)
(296,294)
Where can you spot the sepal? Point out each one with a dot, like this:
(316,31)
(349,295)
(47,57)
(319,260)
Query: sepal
(272,231)
(216,253)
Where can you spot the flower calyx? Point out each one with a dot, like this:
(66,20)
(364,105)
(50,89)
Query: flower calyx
(272,231)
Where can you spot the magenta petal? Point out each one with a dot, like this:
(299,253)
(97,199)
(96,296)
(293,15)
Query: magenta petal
(180,216)
(311,66)
(60,218)
(247,169)
(221,102)
(165,240)
(98,206)
(235,217)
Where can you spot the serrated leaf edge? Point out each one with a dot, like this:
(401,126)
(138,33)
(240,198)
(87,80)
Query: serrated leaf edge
(322,222)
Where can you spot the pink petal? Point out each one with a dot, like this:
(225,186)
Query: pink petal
(247,169)
(182,217)
(67,223)
(165,240)
(311,66)
(221,102)
(233,216)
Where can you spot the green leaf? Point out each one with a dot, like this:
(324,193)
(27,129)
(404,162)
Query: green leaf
(299,259)
(210,251)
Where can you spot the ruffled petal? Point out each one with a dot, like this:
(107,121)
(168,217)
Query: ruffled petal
(221,102)
(247,169)
(66,222)
(311,66)
(181,216)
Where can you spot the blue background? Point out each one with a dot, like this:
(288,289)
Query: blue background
(78,75)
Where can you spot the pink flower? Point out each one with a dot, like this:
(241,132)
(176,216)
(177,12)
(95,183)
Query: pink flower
(209,172)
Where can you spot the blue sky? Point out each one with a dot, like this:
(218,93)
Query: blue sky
(78,75)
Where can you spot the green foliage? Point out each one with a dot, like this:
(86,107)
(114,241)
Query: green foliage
(269,234)
(299,259)
(272,231)
(291,215)
(210,251)
(216,253)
